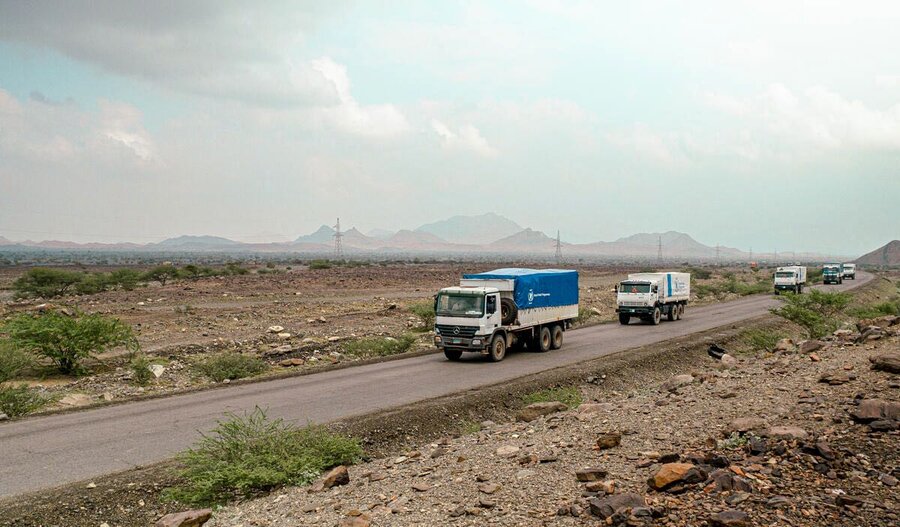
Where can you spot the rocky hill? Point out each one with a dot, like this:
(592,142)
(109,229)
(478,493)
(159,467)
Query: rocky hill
(886,256)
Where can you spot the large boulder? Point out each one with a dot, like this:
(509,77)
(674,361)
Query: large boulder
(730,518)
(606,507)
(608,440)
(876,409)
(743,425)
(339,475)
(535,410)
(590,474)
(786,432)
(809,346)
(889,362)
(671,475)
(784,344)
(193,518)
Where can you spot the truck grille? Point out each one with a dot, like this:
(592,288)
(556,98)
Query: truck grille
(633,304)
(449,330)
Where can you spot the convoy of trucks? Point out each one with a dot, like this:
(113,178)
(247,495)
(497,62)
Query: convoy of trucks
(649,296)
(489,313)
(832,274)
(790,278)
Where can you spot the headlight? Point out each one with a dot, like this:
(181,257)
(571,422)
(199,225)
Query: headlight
(476,342)
(437,338)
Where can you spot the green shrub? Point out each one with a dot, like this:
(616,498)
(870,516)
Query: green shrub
(379,346)
(126,279)
(247,455)
(891,307)
(425,311)
(584,314)
(320,264)
(12,360)
(47,283)
(20,400)
(68,340)
(231,366)
(735,441)
(161,274)
(569,396)
(235,269)
(814,311)
(91,284)
(761,340)
(140,369)
(814,275)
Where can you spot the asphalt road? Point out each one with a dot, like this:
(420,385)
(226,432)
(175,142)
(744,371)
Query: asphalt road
(44,452)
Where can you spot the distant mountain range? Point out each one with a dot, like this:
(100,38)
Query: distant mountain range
(484,234)
(885,256)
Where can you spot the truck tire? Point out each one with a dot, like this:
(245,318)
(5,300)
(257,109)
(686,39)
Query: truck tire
(497,351)
(508,311)
(544,340)
(624,319)
(556,337)
(657,315)
(672,314)
(452,354)
(800,289)
(680,311)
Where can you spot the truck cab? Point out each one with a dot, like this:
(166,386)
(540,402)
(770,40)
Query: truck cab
(831,274)
(466,317)
(848,270)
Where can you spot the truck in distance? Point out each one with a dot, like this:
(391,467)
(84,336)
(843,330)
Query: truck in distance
(490,313)
(831,274)
(649,296)
(848,270)
(790,278)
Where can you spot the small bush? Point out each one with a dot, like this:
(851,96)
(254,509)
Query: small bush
(761,340)
(320,264)
(68,340)
(815,311)
(161,274)
(231,366)
(584,314)
(12,360)
(20,400)
(469,427)
(46,283)
(735,441)
(140,370)
(425,311)
(247,455)
(891,307)
(379,346)
(235,269)
(569,396)
(126,279)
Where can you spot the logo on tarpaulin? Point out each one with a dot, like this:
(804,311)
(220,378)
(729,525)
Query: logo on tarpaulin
(530,296)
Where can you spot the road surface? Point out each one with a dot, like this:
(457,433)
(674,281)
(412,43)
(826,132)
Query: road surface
(44,452)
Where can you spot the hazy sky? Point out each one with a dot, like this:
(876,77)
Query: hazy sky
(774,125)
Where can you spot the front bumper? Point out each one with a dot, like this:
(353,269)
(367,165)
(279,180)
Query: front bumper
(785,287)
(476,343)
(635,310)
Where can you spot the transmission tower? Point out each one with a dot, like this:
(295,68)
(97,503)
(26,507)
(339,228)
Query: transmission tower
(338,245)
(751,254)
(718,260)
(558,249)
(659,250)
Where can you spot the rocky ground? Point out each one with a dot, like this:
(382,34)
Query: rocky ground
(805,435)
(314,312)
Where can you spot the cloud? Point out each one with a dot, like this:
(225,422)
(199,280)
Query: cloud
(219,49)
(467,138)
(648,144)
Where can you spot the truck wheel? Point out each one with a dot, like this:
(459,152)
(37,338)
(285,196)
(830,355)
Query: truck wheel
(543,341)
(672,314)
(624,319)
(800,289)
(680,311)
(657,315)
(498,348)
(556,337)
(452,354)
(508,311)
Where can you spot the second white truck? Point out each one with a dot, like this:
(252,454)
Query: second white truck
(649,296)
(790,278)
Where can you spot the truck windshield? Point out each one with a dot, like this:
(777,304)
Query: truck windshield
(451,305)
(625,287)
(784,274)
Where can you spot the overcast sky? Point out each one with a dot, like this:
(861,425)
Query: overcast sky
(774,125)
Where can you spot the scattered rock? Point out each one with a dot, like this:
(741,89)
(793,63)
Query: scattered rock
(606,507)
(590,474)
(3,417)
(193,518)
(730,518)
(809,346)
(157,370)
(674,474)
(76,399)
(835,378)
(609,440)
(876,409)
(275,329)
(746,424)
(784,345)
(339,475)
(421,486)
(888,362)
(284,335)
(776,502)
(728,362)
(488,488)
(535,410)
(507,450)
(361,520)
(676,382)
(786,432)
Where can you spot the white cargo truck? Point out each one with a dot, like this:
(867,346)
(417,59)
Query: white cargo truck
(649,296)
(831,274)
(848,270)
(489,313)
(790,278)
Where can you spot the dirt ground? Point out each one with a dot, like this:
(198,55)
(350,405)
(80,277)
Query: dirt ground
(319,311)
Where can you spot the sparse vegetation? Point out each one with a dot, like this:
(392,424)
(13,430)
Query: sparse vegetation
(45,283)
(12,360)
(469,427)
(760,339)
(735,441)
(230,366)
(698,273)
(140,369)
(20,400)
(379,346)
(568,395)
(584,314)
(320,264)
(890,307)
(68,340)
(250,454)
(815,311)
(425,311)
(161,274)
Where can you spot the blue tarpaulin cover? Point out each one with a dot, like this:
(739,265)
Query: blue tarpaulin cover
(537,287)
